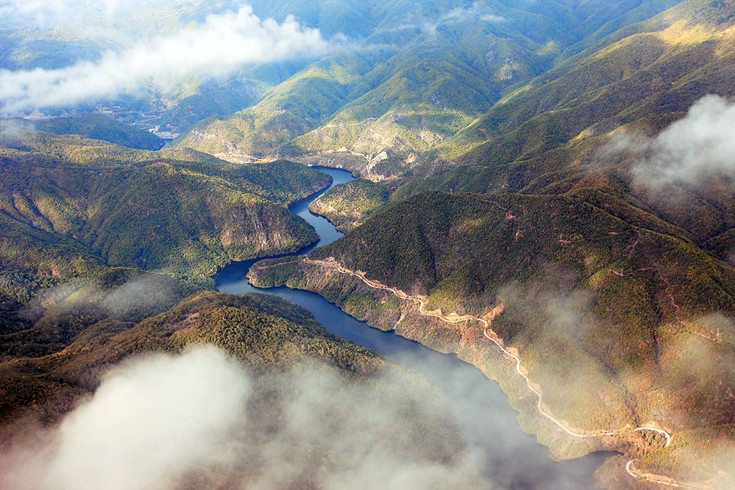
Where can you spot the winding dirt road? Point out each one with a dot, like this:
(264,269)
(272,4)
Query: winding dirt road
(629,467)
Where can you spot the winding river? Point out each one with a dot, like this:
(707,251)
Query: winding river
(510,458)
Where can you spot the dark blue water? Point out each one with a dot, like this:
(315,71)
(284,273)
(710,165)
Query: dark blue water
(510,458)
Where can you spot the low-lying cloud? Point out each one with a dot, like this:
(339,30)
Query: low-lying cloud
(55,14)
(130,299)
(221,45)
(171,421)
(146,293)
(692,150)
(460,15)
(475,12)
(13,131)
(383,433)
(150,421)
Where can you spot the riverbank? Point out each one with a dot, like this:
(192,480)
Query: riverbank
(494,426)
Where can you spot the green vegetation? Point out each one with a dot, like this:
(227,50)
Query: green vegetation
(210,100)
(71,205)
(347,206)
(418,88)
(645,75)
(100,127)
(84,328)
(590,282)
(413,109)
(414,90)
(291,109)
(483,130)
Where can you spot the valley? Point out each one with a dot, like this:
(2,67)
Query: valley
(507,227)
(474,394)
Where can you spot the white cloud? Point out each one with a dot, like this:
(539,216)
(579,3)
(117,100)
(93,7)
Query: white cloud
(161,420)
(477,11)
(12,131)
(493,18)
(219,46)
(374,433)
(56,13)
(461,15)
(150,421)
(696,148)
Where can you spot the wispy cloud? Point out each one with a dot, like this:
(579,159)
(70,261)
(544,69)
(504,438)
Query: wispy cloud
(60,13)
(477,11)
(161,420)
(698,147)
(222,44)
(493,18)
(12,131)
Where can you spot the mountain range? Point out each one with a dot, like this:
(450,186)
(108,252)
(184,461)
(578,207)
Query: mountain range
(554,178)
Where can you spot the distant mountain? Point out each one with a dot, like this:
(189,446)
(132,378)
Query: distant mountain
(647,74)
(385,104)
(518,190)
(99,127)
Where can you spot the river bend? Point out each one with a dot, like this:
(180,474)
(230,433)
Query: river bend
(509,458)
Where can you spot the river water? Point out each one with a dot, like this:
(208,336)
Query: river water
(510,458)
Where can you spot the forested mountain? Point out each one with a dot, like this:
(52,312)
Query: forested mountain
(546,191)
(578,205)
(71,205)
(419,78)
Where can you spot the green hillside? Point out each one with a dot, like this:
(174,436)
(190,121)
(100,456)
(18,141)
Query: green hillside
(501,217)
(347,206)
(433,71)
(404,89)
(647,75)
(444,240)
(603,286)
(69,205)
(100,127)
(281,348)
(291,109)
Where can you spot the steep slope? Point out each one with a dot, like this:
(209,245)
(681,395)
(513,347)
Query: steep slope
(648,74)
(291,109)
(292,366)
(373,79)
(70,202)
(416,107)
(424,74)
(347,206)
(604,310)
(620,301)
